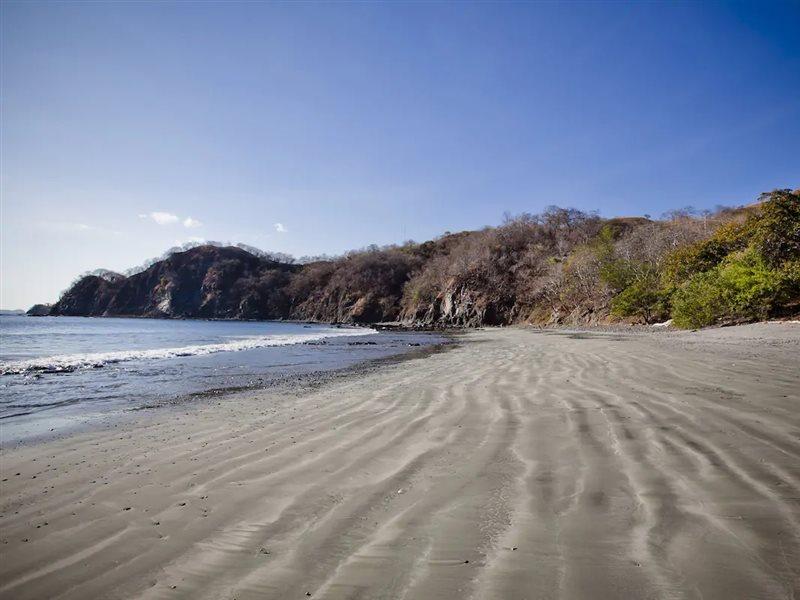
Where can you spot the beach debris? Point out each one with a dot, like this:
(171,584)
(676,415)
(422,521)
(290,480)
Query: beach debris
(264,551)
(663,325)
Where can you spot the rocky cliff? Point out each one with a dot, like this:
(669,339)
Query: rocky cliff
(232,283)
(204,282)
(37,310)
(562,266)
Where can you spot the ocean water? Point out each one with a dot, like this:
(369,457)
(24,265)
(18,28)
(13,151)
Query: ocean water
(58,373)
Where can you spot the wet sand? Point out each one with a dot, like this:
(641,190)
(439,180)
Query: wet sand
(521,464)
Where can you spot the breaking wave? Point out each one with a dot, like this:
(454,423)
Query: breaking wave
(73,362)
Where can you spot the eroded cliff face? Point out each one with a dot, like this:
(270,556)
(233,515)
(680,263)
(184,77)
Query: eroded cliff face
(337,306)
(231,283)
(462,305)
(585,315)
(562,266)
(204,282)
(459,306)
(88,297)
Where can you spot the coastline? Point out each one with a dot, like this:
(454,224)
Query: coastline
(576,464)
(268,381)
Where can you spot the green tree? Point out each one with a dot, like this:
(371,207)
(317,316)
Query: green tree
(776,232)
(742,288)
(643,298)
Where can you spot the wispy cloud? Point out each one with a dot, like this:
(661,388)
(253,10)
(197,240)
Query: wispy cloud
(165,218)
(279,227)
(162,218)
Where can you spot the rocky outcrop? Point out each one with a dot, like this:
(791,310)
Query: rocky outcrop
(365,287)
(562,267)
(460,306)
(39,310)
(88,297)
(204,282)
(582,316)
(231,283)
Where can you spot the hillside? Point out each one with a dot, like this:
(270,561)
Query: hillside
(204,282)
(561,266)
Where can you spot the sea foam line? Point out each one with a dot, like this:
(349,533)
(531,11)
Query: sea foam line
(71,362)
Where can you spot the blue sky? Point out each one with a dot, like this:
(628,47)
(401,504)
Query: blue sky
(351,124)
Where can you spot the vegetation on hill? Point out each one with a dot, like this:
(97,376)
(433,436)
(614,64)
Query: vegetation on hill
(745,271)
(561,266)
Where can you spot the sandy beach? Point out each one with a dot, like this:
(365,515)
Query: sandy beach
(520,464)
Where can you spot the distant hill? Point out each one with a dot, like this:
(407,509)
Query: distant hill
(10,313)
(561,266)
(39,310)
(203,282)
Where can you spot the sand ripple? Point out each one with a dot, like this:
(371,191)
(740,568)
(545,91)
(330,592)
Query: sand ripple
(518,465)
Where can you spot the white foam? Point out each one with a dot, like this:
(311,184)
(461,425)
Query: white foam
(72,362)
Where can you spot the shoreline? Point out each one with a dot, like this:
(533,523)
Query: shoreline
(563,464)
(294,383)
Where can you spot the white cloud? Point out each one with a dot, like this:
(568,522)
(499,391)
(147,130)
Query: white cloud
(165,218)
(280,228)
(162,218)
